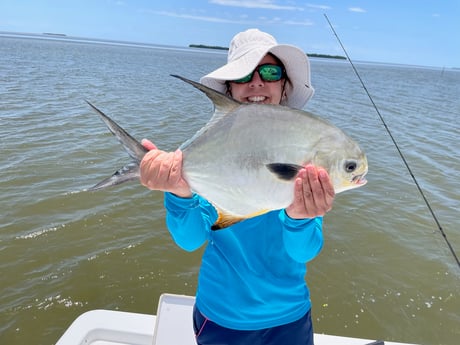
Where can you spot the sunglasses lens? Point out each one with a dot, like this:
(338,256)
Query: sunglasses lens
(246,79)
(267,73)
(270,72)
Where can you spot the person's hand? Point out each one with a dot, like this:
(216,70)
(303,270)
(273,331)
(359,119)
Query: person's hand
(160,170)
(313,194)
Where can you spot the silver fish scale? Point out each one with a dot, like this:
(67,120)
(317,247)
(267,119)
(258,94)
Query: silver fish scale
(226,163)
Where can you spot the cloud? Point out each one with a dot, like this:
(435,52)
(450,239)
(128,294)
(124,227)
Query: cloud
(195,17)
(244,19)
(319,7)
(267,4)
(297,23)
(356,9)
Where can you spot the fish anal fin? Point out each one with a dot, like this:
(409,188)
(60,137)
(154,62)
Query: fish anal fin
(225,220)
(284,171)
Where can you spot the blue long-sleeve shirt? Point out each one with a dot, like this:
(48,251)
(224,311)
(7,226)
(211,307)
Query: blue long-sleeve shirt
(252,273)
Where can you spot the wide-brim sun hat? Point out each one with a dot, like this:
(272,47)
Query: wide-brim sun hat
(247,49)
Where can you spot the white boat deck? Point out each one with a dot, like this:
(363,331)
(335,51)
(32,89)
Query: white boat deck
(171,326)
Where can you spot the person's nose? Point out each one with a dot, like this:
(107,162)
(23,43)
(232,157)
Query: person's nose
(256,80)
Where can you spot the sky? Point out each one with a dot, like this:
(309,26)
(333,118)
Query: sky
(413,32)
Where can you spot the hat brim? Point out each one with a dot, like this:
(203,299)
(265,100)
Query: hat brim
(295,61)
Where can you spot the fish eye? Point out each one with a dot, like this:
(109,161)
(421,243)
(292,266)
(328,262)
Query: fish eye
(350,166)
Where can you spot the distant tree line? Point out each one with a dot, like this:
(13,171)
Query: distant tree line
(207,47)
(326,56)
(308,54)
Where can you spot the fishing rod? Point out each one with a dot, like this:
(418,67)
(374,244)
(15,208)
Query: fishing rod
(397,147)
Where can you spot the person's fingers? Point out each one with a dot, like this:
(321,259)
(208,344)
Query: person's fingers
(328,189)
(148,144)
(149,169)
(311,189)
(175,173)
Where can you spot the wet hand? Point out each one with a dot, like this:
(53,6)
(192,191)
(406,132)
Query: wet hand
(160,170)
(313,194)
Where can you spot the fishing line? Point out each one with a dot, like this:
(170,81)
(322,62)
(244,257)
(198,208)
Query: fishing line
(397,147)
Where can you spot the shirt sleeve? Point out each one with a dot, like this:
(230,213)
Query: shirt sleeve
(303,238)
(189,220)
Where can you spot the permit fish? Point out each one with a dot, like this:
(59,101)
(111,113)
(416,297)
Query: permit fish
(245,160)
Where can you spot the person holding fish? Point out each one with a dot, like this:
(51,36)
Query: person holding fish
(251,286)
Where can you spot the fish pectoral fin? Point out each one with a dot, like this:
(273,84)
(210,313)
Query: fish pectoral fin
(224,220)
(284,171)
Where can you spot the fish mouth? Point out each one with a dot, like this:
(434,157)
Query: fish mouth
(359,180)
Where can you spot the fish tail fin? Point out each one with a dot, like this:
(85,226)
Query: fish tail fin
(129,172)
(134,148)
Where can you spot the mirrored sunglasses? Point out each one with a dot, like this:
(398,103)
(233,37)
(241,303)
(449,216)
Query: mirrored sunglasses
(267,73)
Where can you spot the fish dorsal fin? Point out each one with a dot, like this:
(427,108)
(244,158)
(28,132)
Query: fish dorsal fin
(284,171)
(222,102)
(224,220)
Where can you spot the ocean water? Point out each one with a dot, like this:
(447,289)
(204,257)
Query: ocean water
(385,271)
